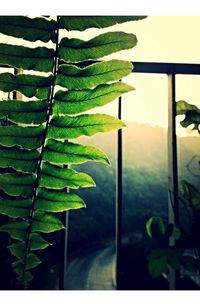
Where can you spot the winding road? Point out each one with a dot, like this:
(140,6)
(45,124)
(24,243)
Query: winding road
(93,271)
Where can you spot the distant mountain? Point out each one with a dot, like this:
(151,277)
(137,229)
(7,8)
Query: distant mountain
(144,181)
(143,145)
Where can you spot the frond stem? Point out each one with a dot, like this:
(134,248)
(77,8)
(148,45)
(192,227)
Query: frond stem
(36,183)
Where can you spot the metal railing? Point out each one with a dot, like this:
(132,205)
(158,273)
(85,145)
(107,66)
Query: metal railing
(171,70)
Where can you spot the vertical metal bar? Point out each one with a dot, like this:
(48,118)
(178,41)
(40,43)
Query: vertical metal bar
(63,246)
(16,94)
(173,208)
(119,203)
(63,261)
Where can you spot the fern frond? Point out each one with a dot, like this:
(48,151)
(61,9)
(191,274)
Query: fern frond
(34,147)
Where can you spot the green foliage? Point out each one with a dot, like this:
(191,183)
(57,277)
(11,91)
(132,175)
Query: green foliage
(34,147)
(18,111)
(174,231)
(76,50)
(67,127)
(31,29)
(74,102)
(190,193)
(160,259)
(156,227)
(191,112)
(155,224)
(54,177)
(15,207)
(57,201)
(83,23)
(29,85)
(75,78)
(70,153)
(18,159)
(38,59)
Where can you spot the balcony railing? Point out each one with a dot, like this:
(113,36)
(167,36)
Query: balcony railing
(171,70)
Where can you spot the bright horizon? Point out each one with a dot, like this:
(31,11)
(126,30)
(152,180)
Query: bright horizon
(170,39)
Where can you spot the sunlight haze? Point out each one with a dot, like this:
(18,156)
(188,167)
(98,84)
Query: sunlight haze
(172,39)
(160,39)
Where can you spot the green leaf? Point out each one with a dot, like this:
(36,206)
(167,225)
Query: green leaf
(31,29)
(20,57)
(46,223)
(27,143)
(16,229)
(32,262)
(176,232)
(23,278)
(19,159)
(75,78)
(182,107)
(155,225)
(192,114)
(15,207)
(23,142)
(81,23)
(191,117)
(17,184)
(173,231)
(26,84)
(73,102)
(57,178)
(25,137)
(157,263)
(19,165)
(57,201)
(76,50)
(159,259)
(17,249)
(19,131)
(184,189)
(29,112)
(69,153)
(66,127)
(37,242)
(190,193)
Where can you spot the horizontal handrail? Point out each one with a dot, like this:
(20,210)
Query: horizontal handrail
(148,67)
(166,68)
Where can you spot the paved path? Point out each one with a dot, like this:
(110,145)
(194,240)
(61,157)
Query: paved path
(93,271)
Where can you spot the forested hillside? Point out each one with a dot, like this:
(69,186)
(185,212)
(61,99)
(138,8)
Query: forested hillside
(144,182)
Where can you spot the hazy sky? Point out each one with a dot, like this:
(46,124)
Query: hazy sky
(160,39)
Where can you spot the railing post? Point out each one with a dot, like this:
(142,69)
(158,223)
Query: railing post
(173,207)
(63,261)
(119,204)
(17,94)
